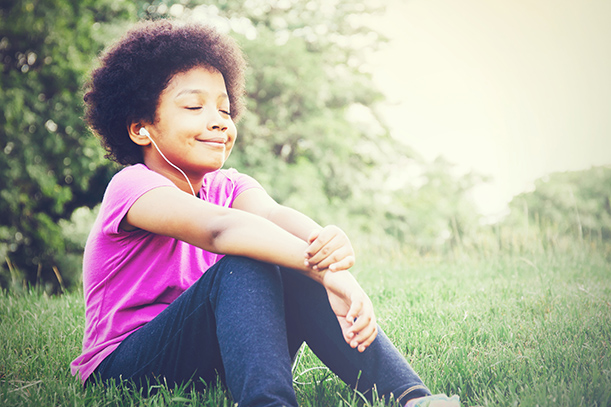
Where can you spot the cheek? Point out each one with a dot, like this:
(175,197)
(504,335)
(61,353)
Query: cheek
(230,143)
(232,134)
(228,148)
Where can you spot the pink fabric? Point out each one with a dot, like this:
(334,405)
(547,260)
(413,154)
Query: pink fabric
(130,277)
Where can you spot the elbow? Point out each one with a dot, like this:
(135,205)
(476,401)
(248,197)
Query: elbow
(216,233)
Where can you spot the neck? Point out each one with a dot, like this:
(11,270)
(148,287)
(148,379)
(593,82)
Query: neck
(184,181)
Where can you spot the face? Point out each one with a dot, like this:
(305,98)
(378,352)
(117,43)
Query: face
(193,127)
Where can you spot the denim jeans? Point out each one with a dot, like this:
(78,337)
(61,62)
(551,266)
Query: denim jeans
(244,321)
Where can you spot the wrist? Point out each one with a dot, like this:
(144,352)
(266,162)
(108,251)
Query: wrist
(318,276)
(341,282)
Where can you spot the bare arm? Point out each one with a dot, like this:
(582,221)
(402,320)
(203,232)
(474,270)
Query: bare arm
(258,202)
(349,302)
(170,212)
(328,247)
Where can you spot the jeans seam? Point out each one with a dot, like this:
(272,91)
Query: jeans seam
(411,389)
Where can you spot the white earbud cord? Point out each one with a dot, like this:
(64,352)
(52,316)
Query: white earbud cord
(229,198)
(169,162)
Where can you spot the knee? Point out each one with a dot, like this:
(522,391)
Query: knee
(244,263)
(243,268)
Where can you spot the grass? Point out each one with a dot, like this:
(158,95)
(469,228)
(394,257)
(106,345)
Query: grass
(504,331)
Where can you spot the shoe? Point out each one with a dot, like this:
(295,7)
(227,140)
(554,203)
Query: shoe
(436,400)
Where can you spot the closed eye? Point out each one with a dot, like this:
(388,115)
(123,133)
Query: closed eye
(225,112)
(194,108)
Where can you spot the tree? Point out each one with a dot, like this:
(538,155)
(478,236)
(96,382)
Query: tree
(435,212)
(311,134)
(574,204)
(50,165)
(306,80)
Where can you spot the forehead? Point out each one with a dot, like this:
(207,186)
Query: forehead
(199,77)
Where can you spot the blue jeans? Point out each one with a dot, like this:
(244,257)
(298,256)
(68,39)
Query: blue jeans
(244,321)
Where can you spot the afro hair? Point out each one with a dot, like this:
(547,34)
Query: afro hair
(125,88)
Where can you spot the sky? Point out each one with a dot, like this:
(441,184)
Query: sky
(512,89)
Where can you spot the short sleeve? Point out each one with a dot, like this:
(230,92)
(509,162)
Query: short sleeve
(223,186)
(242,182)
(123,190)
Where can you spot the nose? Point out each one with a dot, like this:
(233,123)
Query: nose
(217,122)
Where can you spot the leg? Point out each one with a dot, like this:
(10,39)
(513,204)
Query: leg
(310,318)
(230,321)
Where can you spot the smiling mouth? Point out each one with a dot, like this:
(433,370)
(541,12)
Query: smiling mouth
(214,142)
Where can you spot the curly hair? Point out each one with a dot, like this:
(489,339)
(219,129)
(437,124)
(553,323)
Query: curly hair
(126,86)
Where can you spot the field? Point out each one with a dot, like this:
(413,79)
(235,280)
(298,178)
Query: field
(506,331)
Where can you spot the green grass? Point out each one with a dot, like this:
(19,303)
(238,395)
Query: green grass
(508,331)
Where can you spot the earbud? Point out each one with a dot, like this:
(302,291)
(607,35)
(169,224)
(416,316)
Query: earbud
(145,132)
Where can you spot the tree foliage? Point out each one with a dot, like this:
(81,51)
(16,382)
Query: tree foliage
(49,166)
(436,214)
(574,203)
(305,79)
(311,134)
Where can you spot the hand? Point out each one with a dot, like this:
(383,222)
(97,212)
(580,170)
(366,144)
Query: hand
(353,309)
(330,249)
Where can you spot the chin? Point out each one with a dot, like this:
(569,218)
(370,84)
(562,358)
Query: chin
(215,166)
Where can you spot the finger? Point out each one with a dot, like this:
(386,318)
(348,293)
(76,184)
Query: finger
(363,332)
(355,308)
(343,264)
(313,235)
(348,335)
(364,324)
(329,245)
(364,345)
(324,258)
(325,251)
(341,259)
(363,336)
(319,242)
(322,238)
(361,323)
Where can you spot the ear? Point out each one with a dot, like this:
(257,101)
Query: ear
(133,129)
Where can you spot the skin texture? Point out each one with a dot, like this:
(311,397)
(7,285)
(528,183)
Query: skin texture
(194,130)
(125,87)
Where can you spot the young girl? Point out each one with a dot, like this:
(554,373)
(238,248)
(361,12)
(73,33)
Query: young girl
(191,271)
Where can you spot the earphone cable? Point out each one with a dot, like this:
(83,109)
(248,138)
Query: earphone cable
(169,162)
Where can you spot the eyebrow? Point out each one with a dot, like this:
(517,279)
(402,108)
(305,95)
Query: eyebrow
(197,92)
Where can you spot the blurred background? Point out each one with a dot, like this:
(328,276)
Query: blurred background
(515,89)
(432,128)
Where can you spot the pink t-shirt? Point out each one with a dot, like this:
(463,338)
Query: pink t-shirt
(130,277)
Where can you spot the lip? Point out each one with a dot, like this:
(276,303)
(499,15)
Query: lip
(215,141)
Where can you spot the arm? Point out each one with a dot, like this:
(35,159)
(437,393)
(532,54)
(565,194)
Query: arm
(353,309)
(170,212)
(258,202)
(329,247)
(350,303)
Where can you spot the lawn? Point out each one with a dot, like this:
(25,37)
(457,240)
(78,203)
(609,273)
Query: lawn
(505,331)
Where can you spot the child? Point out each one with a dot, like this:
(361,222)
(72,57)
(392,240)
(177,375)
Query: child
(191,271)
